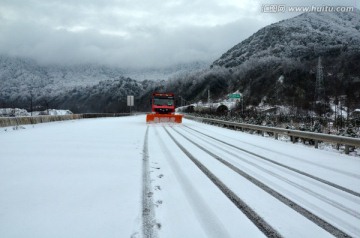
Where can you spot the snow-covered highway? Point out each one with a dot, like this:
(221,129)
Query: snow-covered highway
(119,177)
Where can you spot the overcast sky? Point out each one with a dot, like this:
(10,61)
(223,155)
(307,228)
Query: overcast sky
(133,33)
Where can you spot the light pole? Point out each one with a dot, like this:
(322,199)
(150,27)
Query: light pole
(242,105)
(183,101)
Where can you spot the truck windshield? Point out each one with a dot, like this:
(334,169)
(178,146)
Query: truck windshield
(163,102)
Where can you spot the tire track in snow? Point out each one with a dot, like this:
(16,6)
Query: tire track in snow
(284,166)
(314,218)
(208,220)
(354,175)
(148,212)
(311,192)
(237,201)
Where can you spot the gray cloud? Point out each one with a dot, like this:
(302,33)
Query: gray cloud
(131,33)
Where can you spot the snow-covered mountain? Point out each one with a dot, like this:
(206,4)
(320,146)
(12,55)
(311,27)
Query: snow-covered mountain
(26,73)
(306,36)
(23,80)
(21,77)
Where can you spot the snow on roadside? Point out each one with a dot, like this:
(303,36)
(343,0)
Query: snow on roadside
(53,112)
(17,112)
(72,179)
(7,112)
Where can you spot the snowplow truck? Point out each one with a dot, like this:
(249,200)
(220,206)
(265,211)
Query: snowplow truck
(163,109)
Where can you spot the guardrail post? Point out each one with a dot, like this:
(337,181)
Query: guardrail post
(347,149)
(316,144)
(276,136)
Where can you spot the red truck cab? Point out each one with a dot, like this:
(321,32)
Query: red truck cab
(163,103)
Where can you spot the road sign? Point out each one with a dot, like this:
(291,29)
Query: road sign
(235,95)
(130,101)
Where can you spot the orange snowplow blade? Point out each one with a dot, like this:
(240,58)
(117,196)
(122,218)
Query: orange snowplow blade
(156,118)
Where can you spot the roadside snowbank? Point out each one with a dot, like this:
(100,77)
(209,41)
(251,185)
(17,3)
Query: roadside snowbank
(17,112)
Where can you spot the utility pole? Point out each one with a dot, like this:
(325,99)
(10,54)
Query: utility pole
(209,97)
(320,89)
(209,100)
(242,105)
(182,100)
(319,86)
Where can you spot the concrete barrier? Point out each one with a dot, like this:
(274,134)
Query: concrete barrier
(17,121)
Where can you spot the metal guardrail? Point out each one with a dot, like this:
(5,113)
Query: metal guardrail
(317,137)
(96,115)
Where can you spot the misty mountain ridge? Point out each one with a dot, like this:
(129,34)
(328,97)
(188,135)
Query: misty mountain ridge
(86,74)
(164,73)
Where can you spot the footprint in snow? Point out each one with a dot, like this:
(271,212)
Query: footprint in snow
(158,202)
